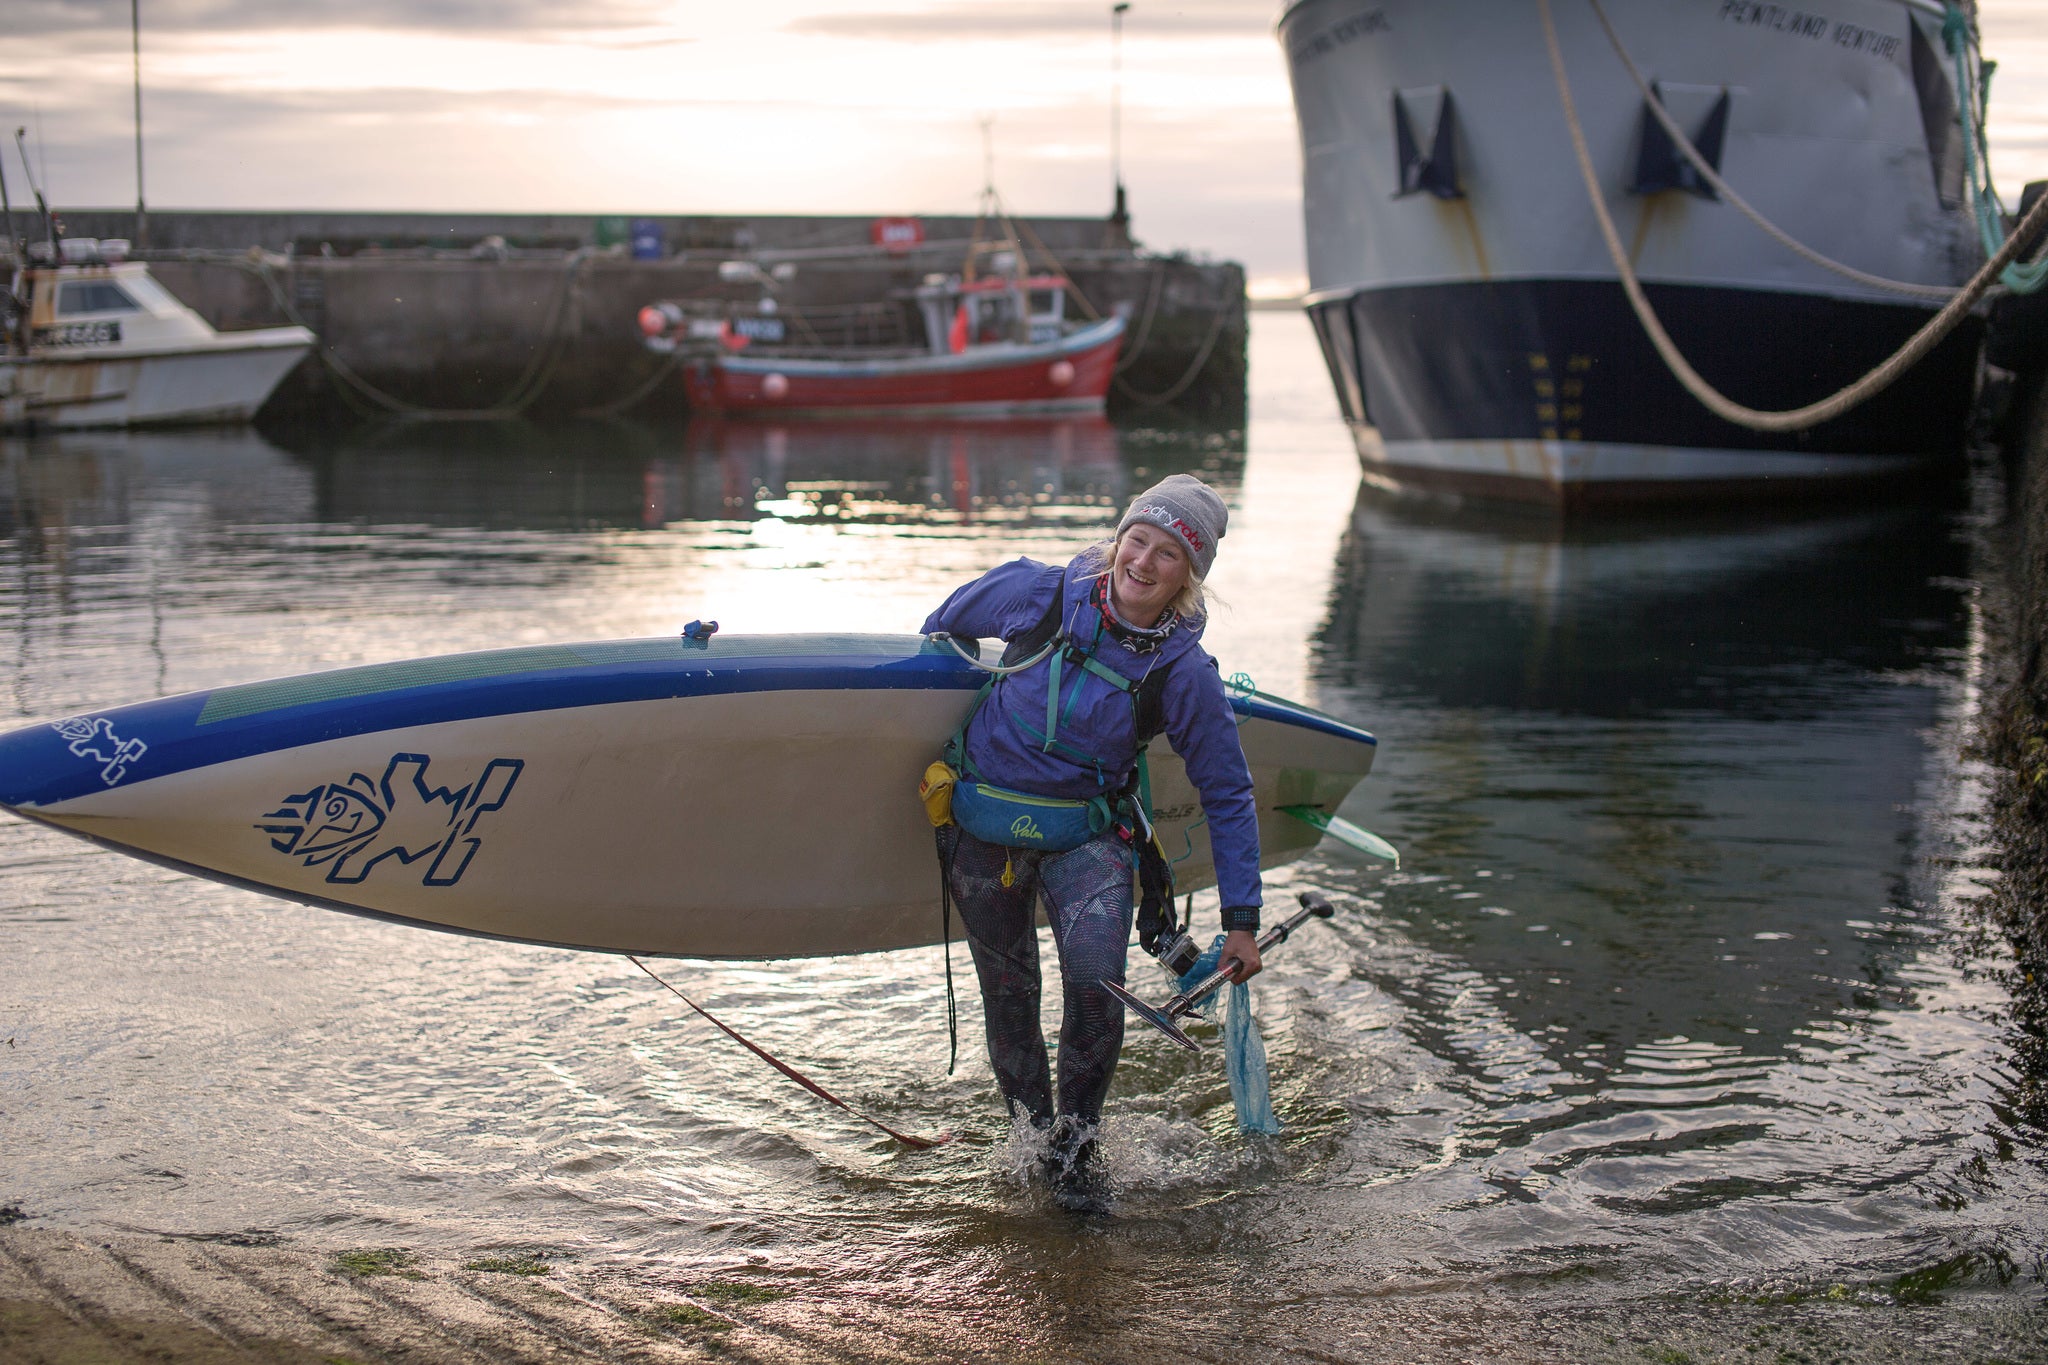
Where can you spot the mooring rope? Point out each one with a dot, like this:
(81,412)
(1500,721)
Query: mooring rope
(1736,201)
(525,390)
(1754,419)
(907,1139)
(632,397)
(1152,400)
(1136,347)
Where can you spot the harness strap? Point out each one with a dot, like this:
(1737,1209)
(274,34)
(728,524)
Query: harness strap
(1051,638)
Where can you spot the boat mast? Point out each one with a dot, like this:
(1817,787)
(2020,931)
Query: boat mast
(135,34)
(42,206)
(14,241)
(11,309)
(1119,217)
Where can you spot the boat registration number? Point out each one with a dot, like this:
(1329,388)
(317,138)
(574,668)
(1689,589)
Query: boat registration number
(79,334)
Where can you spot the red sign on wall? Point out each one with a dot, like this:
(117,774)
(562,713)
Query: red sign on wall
(896,235)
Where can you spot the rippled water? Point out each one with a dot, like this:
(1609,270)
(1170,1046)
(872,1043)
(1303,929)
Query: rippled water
(1664,1006)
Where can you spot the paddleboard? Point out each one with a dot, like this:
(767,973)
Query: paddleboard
(731,797)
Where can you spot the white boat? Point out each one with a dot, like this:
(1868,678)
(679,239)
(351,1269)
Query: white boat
(730,796)
(97,342)
(1473,321)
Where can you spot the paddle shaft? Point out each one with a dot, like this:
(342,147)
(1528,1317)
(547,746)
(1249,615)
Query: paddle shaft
(1314,905)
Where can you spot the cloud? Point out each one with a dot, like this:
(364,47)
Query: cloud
(111,17)
(1043,18)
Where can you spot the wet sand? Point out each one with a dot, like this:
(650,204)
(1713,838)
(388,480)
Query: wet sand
(72,1300)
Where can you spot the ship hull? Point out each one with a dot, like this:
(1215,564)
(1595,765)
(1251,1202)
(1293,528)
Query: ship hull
(1545,391)
(1475,327)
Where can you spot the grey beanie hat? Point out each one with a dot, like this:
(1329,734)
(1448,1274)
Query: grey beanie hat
(1190,509)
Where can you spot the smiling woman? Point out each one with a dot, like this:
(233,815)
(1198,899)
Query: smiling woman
(1050,798)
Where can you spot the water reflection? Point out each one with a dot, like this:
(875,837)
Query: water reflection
(1665,792)
(623,474)
(1752,614)
(1664,781)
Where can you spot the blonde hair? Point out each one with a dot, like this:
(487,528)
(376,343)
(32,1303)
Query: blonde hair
(1191,603)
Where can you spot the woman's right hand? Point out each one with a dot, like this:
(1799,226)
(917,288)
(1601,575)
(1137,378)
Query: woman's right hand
(1243,946)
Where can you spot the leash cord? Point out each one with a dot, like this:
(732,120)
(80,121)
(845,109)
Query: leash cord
(946,928)
(915,1143)
(1000,670)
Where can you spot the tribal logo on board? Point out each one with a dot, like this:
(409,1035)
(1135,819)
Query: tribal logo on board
(93,737)
(352,826)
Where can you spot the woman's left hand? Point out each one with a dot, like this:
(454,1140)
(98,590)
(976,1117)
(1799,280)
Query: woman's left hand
(1243,945)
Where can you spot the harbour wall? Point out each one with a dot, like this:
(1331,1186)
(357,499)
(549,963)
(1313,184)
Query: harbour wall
(535,315)
(2018,730)
(2015,724)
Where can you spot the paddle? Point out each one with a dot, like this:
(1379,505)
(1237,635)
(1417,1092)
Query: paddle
(1315,905)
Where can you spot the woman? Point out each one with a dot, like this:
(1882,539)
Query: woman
(1122,626)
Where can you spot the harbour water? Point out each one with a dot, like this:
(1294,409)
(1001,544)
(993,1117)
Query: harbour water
(1664,1037)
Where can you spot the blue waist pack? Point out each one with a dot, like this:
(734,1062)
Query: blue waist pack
(1014,819)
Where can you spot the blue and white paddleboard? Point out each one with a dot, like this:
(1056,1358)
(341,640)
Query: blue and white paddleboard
(740,797)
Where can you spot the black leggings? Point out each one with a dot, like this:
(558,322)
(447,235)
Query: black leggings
(1087,894)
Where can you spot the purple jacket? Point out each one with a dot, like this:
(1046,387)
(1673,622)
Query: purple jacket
(1008,601)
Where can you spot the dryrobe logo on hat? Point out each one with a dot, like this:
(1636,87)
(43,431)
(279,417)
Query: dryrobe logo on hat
(354,825)
(1164,517)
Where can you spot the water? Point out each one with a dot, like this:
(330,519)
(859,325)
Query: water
(1664,1016)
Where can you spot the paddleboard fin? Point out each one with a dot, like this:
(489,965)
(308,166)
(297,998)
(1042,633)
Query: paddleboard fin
(1346,833)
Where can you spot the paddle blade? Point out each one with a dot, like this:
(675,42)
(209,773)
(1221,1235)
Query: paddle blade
(1152,1015)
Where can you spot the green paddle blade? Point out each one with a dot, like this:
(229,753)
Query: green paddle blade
(1344,832)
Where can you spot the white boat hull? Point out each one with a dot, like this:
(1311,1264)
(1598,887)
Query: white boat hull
(225,382)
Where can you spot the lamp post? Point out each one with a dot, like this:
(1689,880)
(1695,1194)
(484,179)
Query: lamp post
(1119,215)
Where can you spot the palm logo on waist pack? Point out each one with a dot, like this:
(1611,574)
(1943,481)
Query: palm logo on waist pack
(352,826)
(1024,828)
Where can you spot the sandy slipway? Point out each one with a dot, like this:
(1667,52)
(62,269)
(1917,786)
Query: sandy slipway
(239,1297)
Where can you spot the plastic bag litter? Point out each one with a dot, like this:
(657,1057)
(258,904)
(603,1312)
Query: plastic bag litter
(1244,1061)
(1244,1050)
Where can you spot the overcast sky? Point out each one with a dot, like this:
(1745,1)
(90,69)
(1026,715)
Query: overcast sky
(715,106)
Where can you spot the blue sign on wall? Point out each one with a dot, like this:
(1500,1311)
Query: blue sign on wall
(649,243)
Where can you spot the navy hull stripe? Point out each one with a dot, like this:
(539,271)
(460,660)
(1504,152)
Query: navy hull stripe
(1567,360)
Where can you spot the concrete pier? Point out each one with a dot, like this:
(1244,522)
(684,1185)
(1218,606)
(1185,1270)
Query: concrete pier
(534,315)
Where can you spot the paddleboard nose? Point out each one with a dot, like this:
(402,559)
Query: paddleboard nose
(55,761)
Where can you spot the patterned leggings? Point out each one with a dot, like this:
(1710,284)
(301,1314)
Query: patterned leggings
(1088,901)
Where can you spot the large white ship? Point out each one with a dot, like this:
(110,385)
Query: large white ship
(1473,320)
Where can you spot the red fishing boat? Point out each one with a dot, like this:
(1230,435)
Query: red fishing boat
(993,346)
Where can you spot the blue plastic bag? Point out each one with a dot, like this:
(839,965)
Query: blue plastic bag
(1244,1051)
